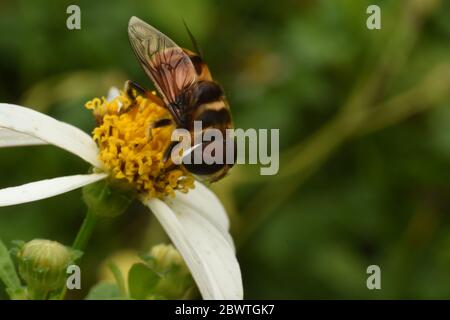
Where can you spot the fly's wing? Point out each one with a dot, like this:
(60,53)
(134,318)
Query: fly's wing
(167,65)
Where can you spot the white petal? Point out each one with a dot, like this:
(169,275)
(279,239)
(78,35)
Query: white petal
(9,138)
(41,126)
(206,203)
(209,256)
(46,188)
(113,92)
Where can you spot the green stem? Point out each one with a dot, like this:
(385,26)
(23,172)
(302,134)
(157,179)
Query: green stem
(82,238)
(85,231)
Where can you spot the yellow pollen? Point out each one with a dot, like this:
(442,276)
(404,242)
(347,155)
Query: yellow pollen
(131,150)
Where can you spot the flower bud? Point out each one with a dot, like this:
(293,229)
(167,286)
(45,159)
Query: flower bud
(164,256)
(176,280)
(106,200)
(43,264)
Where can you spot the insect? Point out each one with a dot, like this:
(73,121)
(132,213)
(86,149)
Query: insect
(188,91)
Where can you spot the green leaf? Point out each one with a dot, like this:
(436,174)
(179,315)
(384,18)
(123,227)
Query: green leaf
(8,273)
(141,281)
(104,291)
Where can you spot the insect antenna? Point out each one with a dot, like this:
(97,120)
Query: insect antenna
(193,40)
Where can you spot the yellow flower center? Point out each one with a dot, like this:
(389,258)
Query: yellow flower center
(132,150)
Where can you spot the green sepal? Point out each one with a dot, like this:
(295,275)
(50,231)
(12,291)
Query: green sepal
(108,199)
(75,254)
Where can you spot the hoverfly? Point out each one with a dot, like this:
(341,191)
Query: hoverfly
(188,91)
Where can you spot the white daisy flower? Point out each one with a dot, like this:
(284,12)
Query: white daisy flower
(122,150)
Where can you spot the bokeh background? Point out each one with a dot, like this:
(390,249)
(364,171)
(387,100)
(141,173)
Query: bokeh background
(364,119)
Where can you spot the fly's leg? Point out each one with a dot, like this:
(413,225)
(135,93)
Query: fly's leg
(169,149)
(164,122)
(132,89)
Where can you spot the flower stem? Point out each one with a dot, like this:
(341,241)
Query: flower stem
(85,231)
(82,238)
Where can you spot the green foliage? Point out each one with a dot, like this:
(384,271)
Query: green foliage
(104,291)
(8,274)
(161,275)
(142,281)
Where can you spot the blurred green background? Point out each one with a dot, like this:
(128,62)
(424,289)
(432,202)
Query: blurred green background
(364,118)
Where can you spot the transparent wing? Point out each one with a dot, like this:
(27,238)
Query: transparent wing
(167,65)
